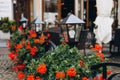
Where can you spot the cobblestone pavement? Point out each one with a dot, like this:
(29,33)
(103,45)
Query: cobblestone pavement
(5,66)
(7,74)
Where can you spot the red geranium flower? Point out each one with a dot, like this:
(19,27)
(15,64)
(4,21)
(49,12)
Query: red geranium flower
(15,68)
(36,41)
(21,66)
(13,27)
(97,47)
(81,63)
(28,47)
(42,38)
(9,43)
(18,46)
(20,28)
(60,74)
(101,55)
(94,78)
(101,78)
(41,69)
(85,78)
(48,35)
(21,76)
(33,34)
(12,55)
(33,51)
(109,72)
(71,72)
(37,78)
(30,77)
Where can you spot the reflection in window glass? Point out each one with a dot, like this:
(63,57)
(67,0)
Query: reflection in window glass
(51,12)
(50,5)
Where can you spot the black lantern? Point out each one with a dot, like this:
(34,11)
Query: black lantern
(23,21)
(70,29)
(14,7)
(38,25)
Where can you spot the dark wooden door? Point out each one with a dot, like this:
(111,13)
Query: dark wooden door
(64,7)
(22,7)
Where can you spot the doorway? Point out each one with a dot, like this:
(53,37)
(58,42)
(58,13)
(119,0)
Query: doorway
(22,7)
(90,13)
(67,7)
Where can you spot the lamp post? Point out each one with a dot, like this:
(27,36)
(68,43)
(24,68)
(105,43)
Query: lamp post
(70,29)
(23,22)
(116,14)
(14,7)
(38,25)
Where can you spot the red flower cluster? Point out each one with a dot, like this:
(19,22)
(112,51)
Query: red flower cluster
(36,41)
(97,47)
(12,55)
(101,55)
(31,77)
(18,46)
(21,76)
(48,35)
(42,38)
(85,78)
(109,72)
(20,28)
(13,27)
(8,44)
(41,69)
(100,77)
(21,66)
(33,50)
(71,72)
(81,63)
(60,74)
(28,46)
(33,34)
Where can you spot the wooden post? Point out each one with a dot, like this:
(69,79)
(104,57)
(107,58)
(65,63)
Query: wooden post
(87,13)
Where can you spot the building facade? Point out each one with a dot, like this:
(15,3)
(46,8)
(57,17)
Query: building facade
(48,10)
(51,11)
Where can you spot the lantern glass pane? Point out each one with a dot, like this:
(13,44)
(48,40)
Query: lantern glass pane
(64,32)
(78,30)
(24,25)
(71,33)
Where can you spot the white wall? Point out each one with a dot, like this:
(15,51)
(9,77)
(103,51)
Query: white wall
(38,9)
(6,9)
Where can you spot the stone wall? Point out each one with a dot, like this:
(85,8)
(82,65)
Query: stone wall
(4,38)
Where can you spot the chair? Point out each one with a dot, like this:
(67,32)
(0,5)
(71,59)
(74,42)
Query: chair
(54,37)
(115,42)
(104,70)
(54,40)
(82,40)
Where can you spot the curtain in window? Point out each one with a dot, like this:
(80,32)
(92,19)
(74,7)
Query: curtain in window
(103,22)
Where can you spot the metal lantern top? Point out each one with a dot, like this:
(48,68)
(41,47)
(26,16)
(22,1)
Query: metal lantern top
(23,19)
(37,21)
(37,24)
(72,19)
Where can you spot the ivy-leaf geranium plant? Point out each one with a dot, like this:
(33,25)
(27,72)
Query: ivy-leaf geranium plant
(32,62)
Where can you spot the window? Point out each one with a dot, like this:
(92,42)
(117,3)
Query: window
(50,12)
